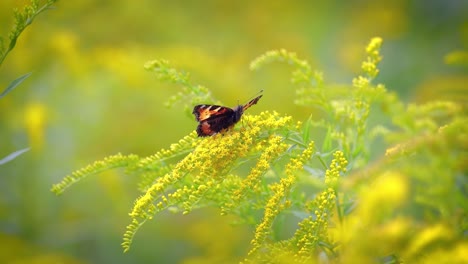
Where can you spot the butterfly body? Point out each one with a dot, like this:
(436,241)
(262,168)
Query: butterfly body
(215,118)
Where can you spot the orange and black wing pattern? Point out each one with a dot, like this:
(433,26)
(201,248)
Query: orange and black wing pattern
(205,112)
(215,118)
(212,119)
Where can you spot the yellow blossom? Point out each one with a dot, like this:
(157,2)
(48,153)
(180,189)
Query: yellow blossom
(275,204)
(35,118)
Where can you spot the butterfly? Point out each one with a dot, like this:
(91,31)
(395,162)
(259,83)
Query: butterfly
(214,118)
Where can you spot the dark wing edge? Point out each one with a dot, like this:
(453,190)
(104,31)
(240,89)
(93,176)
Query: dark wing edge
(251,102)
(214,125)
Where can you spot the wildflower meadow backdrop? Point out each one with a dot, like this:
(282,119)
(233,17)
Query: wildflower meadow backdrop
(355,153)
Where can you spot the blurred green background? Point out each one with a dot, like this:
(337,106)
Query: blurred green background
(89,97)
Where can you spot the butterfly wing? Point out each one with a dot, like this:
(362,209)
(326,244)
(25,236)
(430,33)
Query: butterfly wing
(212,119)
(251,102)
(206,112)
(215,118)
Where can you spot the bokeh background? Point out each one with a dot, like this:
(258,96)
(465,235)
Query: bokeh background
(89,97)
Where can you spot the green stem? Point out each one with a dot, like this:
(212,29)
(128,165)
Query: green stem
(21,28)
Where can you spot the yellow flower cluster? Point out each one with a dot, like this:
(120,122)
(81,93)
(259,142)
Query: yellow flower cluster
(273,148)
(111,162)
(156,165)
(369,66)
(278,202)
(361,82)
(337,166)
(373,52)
(202,173)
(371,222)
(35,119)
(145,208)
(315,228)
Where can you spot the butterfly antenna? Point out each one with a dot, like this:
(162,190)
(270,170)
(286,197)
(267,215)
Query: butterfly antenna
(256,95)
(259,93)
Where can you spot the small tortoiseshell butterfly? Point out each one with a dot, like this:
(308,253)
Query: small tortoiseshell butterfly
(215,118)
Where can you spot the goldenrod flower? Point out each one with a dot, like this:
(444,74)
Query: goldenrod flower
(280,192)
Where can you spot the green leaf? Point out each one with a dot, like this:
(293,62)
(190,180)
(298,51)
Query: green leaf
(306,132)
(12,156)
(15,83)
(327,142)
